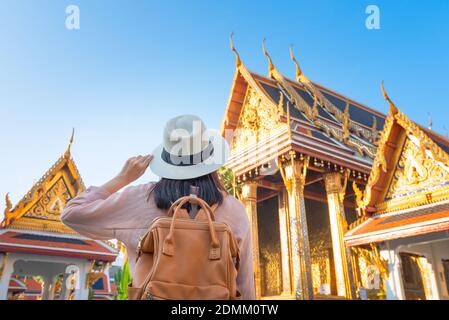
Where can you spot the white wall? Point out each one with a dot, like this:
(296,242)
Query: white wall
(434,247)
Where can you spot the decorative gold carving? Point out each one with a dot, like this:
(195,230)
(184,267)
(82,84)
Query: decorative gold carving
(378,164)
(293,172)
(362,148)
(372,255)
(92,277)
(345,123)
(35,203)
(266,100)
(257,120)
(50,205)
(426,143)
(416,172)
(281,104)
(414,200)
(298,102)
(336,183)
(342,117)
(415,166)
(358,195)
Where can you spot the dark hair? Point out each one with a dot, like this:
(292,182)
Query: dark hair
(167,191)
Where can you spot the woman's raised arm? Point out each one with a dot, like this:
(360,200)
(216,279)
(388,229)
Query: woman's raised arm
(98,211)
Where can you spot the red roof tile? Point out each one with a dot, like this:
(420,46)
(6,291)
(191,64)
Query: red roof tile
(400,225)
(12,241)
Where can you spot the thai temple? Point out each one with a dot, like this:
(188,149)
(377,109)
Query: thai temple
(345,202)
(41,258)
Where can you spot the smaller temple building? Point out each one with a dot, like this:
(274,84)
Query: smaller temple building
(40,257)
(403,225)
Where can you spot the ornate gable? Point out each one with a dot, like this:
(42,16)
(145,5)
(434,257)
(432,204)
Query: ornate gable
(415,172)
(409,170)
(257,119)
(41,207)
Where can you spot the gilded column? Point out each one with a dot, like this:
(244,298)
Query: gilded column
(249,199)
(284,235)
(294,172)
(342,259)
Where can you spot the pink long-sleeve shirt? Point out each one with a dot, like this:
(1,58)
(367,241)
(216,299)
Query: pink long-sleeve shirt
(126,216)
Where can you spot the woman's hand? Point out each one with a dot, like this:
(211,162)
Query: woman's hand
(133,169)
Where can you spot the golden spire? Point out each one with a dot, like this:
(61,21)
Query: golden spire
(238,62)
(270,63)
(298,69)
(393,108)
(67,151)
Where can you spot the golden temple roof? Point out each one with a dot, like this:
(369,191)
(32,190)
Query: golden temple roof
(41,206)
(410,169)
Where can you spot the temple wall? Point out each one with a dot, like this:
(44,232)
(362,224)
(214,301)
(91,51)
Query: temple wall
(435,248)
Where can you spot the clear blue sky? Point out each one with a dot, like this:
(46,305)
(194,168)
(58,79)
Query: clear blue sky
(135,64)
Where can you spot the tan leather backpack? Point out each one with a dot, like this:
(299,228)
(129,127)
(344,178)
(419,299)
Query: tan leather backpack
(184,258)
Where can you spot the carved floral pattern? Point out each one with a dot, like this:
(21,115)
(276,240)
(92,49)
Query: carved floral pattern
(51,204)
(415,172)
(257,120)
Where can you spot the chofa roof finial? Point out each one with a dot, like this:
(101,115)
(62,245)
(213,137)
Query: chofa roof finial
(238,62)
(8,203)
(298,69)
(67,151)
(429,116)
(393,108)
(270,63)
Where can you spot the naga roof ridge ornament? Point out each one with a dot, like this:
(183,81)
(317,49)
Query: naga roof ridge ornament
(295,98)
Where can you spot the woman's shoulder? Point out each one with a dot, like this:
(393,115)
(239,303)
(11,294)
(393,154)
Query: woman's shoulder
(234,208)
(230,201)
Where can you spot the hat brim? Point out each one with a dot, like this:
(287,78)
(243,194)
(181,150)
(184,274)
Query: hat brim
(169,171)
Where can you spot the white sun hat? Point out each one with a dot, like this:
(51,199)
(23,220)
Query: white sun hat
(188,150)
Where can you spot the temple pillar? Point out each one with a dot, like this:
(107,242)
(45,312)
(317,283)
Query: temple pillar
(6,270)
(249,199)
(64,289)
(81,288)
(286,288)
(342,256)
(294,173)
(46,287)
